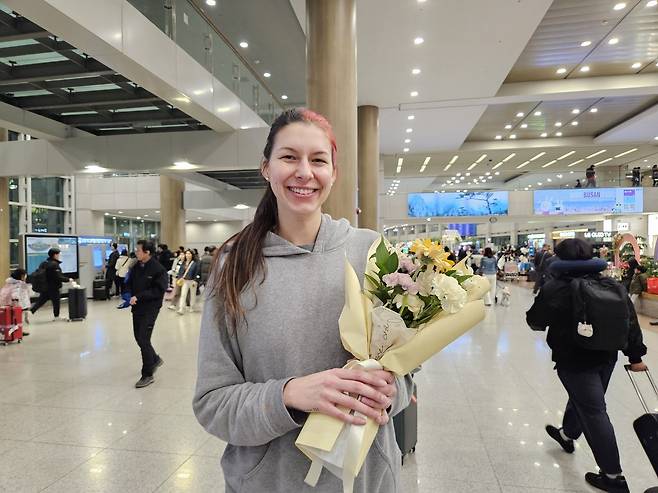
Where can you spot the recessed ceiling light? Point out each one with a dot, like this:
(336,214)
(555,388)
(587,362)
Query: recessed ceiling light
(655,138)
(418,41)
(584,68)
(636,65)
(406,149)
(566,155)
(593,110)
(508,127)
(241,206)
(427,160)
(604,161)
(549,163)
(411,117)
(267,75)
(146,215)
(415,71)
(596,153)
(119,212)
(613,41)
(620,6)
(626,152)
(652,3)
(537,113)
(575,111)
(284,97)
(585,43)
(183,165)
(413,94)
(498,137)
(211,3)
(407,141)
(513,136)
(480,159)
(157,212)
(107,213)
(522,164)
(537,156)
(574,123)
(409,130)
(497,173)
(558,124)
(244,44)
(558,134)
(562,70)
(524,125)
(454,158)
(520,114)
(509,157)
(544,134)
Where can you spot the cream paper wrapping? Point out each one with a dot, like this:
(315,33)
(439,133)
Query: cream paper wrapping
(341,448)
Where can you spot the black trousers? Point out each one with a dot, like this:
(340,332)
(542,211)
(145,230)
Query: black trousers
(143,324)
(586,413)
(118,285)
(110,278)
(50,294)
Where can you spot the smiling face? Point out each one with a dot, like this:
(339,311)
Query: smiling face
(188,256)
(300,169)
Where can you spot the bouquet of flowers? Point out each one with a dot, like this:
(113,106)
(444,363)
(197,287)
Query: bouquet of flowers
(412,306)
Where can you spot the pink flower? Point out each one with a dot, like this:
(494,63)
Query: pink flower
(401,279)
(407,264)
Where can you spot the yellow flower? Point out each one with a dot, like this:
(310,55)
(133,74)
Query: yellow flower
(434,251)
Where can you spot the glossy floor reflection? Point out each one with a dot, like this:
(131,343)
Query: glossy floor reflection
(74,423)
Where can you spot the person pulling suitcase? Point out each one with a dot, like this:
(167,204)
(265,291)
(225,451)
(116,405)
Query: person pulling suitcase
(589,318)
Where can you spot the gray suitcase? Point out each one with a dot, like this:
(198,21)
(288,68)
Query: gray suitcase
(405,424)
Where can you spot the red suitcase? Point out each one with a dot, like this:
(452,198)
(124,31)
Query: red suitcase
(11,324)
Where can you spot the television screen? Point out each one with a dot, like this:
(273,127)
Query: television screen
(37,246)
(588,201)
(458,204)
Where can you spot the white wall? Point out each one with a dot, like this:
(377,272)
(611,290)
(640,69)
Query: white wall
(203,234)
(135,192)
(89,222)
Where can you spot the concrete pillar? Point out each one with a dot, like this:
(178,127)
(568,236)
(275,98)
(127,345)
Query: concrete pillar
(172,215)
(368,151)
(331,90)
(4,219)
(514,235)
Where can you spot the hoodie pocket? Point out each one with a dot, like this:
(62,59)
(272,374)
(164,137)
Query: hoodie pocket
(259,457)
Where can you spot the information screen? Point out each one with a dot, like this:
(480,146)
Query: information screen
(458,204)
(588,201)
(36,251)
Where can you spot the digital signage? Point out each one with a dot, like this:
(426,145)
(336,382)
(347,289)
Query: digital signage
(458,204)
(36,251)
(588,201)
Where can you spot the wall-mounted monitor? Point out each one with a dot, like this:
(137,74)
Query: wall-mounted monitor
(464,229)
(588,201)
(458,204)
(36,246)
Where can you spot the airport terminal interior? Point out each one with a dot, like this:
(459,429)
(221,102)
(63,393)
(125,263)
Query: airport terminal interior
(492,131)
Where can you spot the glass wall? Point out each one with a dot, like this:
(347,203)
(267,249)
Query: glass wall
(38,205)
(129,230)
(185,25)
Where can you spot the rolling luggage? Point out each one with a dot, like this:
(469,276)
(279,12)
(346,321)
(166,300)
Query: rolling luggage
(11,324)
(405,424)
(98,292)
(646,426)
(77,303)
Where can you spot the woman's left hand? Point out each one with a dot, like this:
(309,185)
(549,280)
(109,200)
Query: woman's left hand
(390,389)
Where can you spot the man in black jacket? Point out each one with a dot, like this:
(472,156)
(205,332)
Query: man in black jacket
(111,272)
(147,282)
(54,281)
(584,373)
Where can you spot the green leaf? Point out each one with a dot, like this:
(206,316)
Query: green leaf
(381,258)
(373,281)
(392,263)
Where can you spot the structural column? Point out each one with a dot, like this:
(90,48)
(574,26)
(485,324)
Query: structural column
(4,219)
(368,152)
(331,90)
(172,214)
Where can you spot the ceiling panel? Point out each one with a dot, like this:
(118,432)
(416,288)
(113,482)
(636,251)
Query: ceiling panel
(557,42)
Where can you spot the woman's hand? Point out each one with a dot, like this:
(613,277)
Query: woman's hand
(390,390)
(326,391)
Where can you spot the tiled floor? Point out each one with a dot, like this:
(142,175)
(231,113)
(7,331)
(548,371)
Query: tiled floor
(72,421)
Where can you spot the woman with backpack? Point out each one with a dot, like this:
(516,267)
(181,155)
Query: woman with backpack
(585,335)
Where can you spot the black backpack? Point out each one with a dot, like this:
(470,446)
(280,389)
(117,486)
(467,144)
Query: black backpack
(38,278)
(600,306)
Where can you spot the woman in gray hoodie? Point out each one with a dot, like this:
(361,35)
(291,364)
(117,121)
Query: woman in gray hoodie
(270,349)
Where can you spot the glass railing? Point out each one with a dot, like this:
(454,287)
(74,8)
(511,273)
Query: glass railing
(188,28)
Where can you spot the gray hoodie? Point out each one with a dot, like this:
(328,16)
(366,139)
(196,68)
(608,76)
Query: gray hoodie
(292,331)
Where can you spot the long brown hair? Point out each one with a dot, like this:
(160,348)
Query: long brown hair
(239,261)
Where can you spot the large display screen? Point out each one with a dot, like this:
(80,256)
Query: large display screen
(588,201)
(36,251)
(458,204)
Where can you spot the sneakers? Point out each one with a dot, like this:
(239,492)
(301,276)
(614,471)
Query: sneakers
(554,433)
(603,482)
(144,381)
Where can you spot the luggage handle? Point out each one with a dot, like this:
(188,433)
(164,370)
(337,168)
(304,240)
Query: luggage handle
(637,389)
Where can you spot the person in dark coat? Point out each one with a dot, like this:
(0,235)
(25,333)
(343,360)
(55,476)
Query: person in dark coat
(578,184)
(147,282)
(654,175)
(584,373)
(54,281)
(590,174)
(165,256)
(111,272)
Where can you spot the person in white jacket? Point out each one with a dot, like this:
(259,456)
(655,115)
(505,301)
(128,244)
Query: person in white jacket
(17,292)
